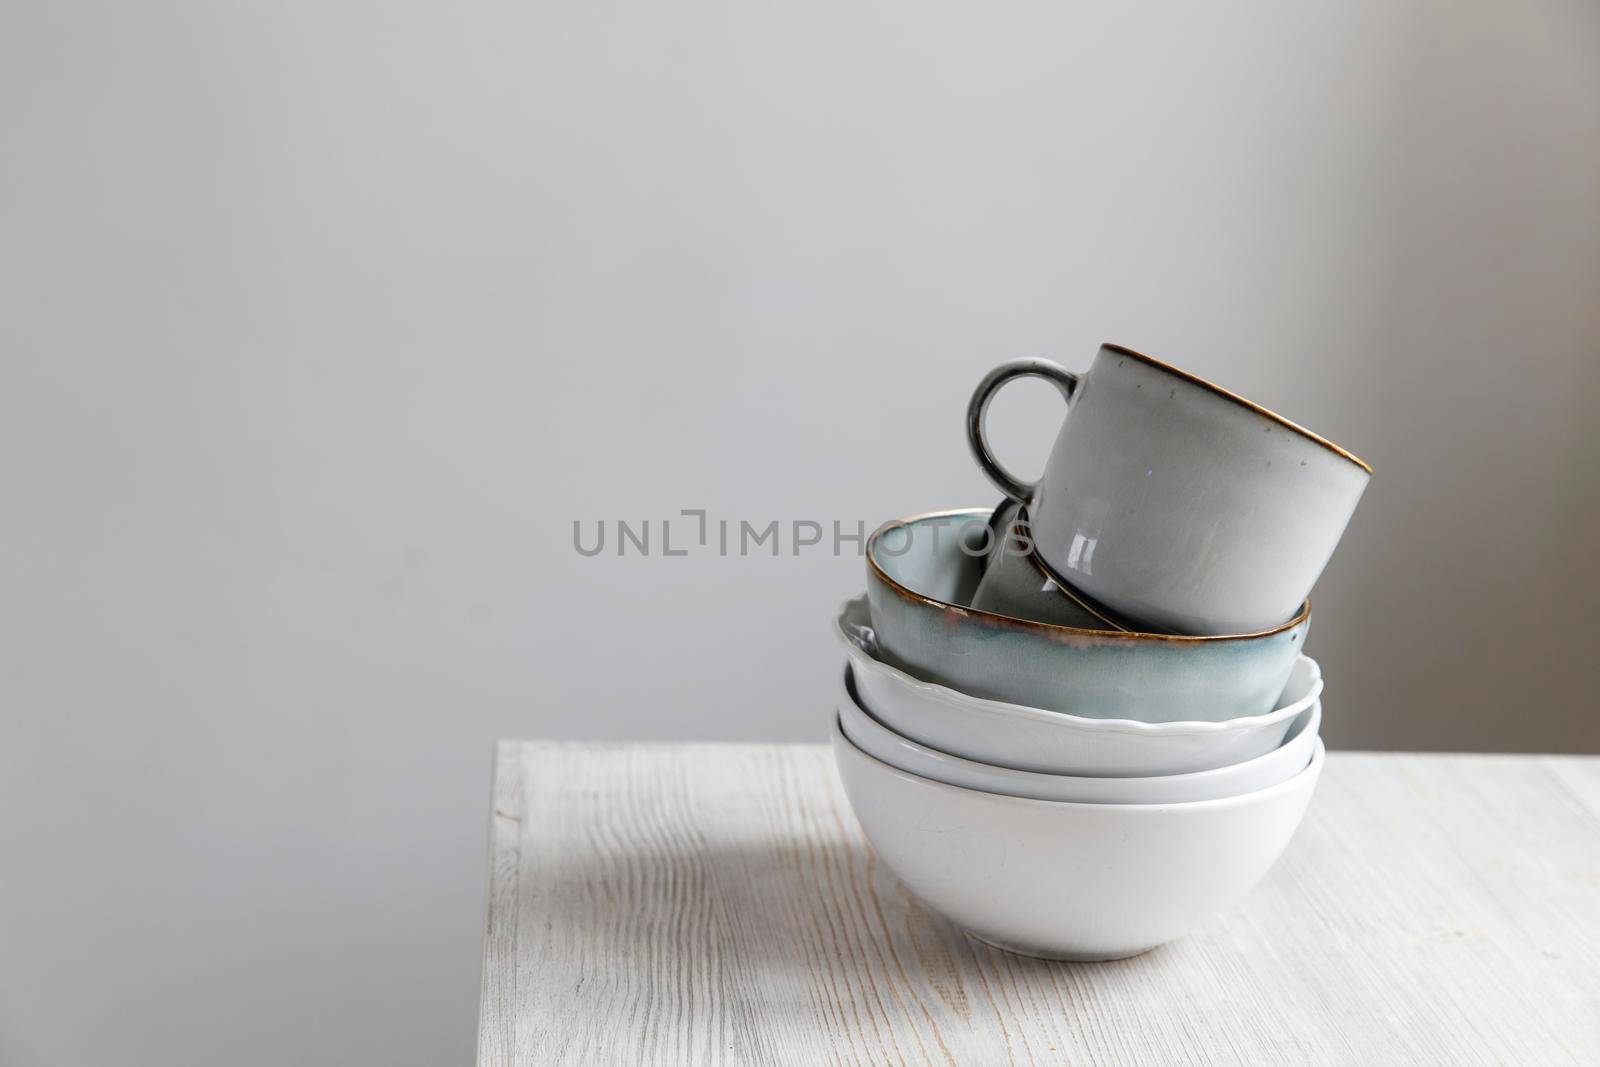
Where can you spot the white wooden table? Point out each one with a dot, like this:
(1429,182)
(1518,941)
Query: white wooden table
(717,904)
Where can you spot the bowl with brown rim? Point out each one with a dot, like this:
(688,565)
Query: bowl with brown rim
(922,574)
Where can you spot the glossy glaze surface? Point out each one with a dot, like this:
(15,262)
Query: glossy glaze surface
(1173,502)
(1069,881)
(1033,739)
(870,735)
(919,584)
(1014,584)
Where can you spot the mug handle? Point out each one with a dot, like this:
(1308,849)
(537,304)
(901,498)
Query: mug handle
(977,411)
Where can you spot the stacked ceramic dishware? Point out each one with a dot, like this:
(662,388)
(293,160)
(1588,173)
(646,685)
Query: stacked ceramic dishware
(1082,722)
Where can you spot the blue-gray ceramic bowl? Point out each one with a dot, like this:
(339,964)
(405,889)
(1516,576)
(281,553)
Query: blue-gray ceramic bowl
(922,574)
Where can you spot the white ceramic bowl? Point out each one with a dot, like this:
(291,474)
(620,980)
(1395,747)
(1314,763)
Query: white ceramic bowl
(1070,881)
(882,743)
(1053,742)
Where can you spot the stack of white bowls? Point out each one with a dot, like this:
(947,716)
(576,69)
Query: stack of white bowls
(1038,767)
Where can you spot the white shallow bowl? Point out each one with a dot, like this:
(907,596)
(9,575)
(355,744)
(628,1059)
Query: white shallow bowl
(881,743)
(1053,742)
(1070,881)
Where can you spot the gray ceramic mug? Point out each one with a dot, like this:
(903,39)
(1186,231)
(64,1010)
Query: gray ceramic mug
(1174,502)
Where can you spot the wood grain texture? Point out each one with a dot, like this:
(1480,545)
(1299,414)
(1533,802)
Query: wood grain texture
(718,904)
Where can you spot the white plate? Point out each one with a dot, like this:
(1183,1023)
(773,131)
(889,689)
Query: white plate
(1053,742)
(1263,772)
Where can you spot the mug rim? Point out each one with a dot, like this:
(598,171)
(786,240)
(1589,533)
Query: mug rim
(877,572)
(1195,379)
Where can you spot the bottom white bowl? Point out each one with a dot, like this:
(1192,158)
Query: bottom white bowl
(1070,881)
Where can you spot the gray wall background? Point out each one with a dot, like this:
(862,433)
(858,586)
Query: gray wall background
(322,322)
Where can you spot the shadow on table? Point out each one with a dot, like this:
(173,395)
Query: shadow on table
(807,923)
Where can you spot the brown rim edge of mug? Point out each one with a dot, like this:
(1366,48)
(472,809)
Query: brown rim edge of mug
(1195,379)
(1029,624)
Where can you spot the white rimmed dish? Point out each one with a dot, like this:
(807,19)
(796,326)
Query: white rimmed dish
(1069,881)
(1262,772)
(1053,742)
